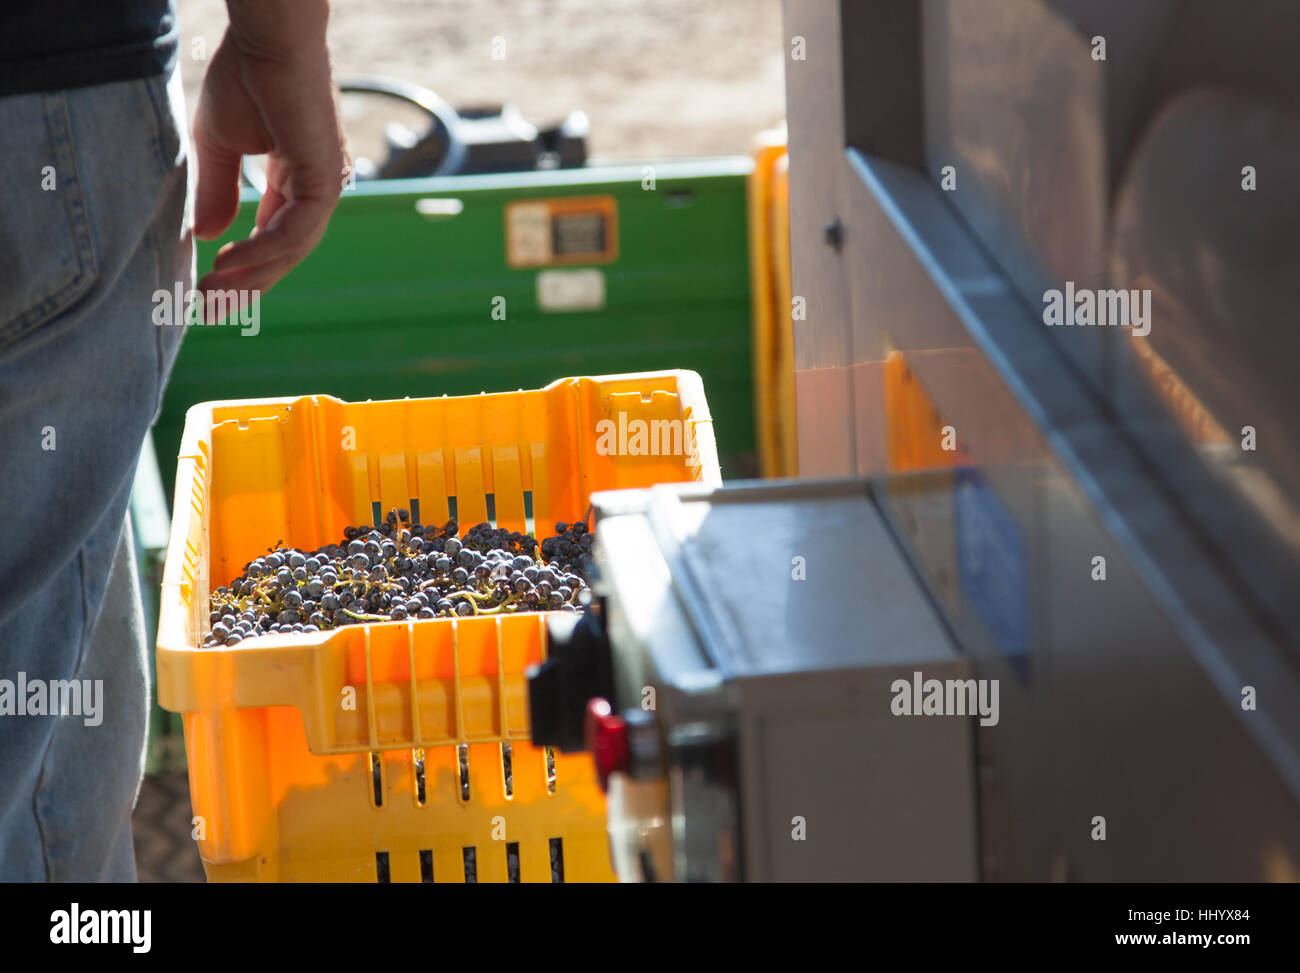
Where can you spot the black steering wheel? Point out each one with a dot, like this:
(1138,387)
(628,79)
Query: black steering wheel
(395,130)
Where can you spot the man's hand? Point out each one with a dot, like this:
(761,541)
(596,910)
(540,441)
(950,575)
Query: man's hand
(268,90)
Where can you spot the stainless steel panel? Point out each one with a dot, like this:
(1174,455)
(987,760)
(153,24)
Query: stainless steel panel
(1117,670)
(774,683)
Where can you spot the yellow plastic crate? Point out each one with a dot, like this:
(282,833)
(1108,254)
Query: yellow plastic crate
(378,752)
(768,196)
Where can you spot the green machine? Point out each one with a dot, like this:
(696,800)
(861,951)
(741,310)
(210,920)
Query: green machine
(462,284)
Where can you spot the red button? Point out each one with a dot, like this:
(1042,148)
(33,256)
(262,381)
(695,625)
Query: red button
(606,738)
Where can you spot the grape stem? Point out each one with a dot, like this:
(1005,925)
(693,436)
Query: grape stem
(365,618)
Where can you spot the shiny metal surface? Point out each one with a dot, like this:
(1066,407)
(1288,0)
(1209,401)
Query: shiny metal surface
(1126,701)
(1127,172)
(1142,670)
(773,683)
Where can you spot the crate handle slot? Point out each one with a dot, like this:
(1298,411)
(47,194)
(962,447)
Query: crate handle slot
(557,861)
(512,862)
(462,754)
(376,779)
(417,759)
(507,773)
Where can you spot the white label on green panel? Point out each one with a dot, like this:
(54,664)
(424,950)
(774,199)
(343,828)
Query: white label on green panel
(528,234)
(571,290)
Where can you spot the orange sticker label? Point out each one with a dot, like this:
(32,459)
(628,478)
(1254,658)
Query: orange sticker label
(555,232)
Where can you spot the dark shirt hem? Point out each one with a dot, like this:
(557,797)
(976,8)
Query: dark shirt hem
(63,69)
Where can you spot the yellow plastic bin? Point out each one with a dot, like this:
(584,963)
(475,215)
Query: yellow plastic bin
(395,751)
(768,195)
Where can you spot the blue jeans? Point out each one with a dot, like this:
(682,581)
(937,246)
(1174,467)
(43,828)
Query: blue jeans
(94,221)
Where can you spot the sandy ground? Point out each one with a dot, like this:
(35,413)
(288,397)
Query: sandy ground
(657,78)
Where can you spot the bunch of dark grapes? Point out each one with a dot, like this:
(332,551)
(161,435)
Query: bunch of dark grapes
(571,548)
(485,538)
(400,570)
